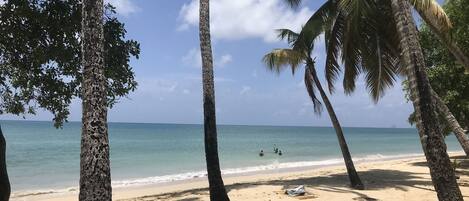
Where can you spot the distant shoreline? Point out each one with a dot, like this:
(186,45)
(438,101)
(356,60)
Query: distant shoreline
(199,124)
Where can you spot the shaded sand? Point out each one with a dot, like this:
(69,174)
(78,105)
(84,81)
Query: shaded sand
(402,179)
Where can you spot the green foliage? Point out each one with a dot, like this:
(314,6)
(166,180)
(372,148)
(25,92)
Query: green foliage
(447,77)
(361,36)
(298,55)
(40,56)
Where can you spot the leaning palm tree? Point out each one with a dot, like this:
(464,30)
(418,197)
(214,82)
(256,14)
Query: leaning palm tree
(280,58)
(95,172)
(369,34)
(433,145)
(216,186)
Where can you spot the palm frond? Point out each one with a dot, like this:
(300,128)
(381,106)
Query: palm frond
(428,8)
(333,39)
(351,54)
(379,66)
(287,34)
(293,3)
(279,59)
(315,26)
(312,91)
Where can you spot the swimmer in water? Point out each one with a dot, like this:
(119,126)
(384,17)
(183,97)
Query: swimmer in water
(279,152)
(261,153)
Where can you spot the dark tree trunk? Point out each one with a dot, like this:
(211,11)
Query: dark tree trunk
(216,186)
(4,181)
(452,122)
(95,173)
(433,144)
(355,180)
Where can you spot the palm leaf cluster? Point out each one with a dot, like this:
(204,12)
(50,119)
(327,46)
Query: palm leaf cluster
(361,38)
(279,59)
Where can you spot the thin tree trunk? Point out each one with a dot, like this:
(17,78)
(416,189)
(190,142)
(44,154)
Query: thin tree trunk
(95,172)
(216,186)
(433,145)
(444,37)
(4,181)
(352,173)
(452,122)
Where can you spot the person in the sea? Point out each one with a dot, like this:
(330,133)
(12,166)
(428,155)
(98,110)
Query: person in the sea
(279,152)
(261,153)
(275,148)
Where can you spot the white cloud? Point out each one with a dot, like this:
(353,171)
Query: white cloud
(124,7)
(2,2)
(193,58)
(157,85)
(225,59)
(245,90)
(239,19)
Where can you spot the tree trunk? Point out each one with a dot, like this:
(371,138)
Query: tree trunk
(433,145)
(4,181)
(352,173)
(95,173)
(444,37)
(216,186)
(452,122)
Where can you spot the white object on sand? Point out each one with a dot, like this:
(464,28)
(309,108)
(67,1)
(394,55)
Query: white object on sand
(298,191)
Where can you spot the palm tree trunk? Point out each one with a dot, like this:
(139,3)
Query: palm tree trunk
(4,181)
(432,141)
(444,37)
(95,172)
(452,122)
(216,186)
(352,173)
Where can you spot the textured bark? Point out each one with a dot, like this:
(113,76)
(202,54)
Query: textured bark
(452,122)
(216,186)
(433,145)
(444,37)
(95,173)
(355,180)
(4,181)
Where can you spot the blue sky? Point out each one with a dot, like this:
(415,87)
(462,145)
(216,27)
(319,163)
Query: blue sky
(169,72)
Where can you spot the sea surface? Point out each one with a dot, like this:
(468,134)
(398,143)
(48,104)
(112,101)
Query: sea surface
(42,158)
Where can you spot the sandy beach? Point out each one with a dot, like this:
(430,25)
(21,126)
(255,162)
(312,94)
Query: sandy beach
(398,179)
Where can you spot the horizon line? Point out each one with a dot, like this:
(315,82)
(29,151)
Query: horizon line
(222,124)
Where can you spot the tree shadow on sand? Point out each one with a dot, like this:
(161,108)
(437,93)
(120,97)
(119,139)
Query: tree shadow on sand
(374,179)
(462,168)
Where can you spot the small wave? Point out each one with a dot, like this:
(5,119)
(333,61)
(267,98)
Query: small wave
(273,166)
(42,192)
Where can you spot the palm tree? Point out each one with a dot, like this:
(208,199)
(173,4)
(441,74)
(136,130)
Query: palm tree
(216,186)
(4,181)
(369,35)
(95,173)
(452,122)
(373,48)
(433,145)
(279,58)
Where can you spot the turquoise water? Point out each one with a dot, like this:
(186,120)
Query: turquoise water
(42,157)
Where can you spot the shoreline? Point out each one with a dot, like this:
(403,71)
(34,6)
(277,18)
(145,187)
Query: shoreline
(139,190)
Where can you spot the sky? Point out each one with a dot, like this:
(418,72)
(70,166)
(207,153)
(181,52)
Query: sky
(169,69)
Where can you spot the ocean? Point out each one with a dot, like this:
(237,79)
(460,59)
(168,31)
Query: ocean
(42,158)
